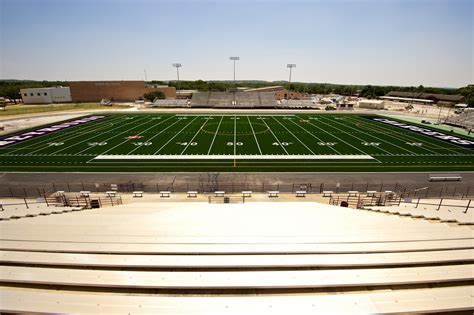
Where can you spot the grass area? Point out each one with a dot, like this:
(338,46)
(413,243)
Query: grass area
(271,142)
(31,109)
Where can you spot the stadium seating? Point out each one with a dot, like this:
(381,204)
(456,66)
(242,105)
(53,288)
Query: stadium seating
(234,100)
(464,120)
(445,210)
(234,258)
(170,103)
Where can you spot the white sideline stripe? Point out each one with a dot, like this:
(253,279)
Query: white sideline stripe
(233,157)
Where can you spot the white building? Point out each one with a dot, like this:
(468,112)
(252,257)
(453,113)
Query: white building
(47,95)
(371,104)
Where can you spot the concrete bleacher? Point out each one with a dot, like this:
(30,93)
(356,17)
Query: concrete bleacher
(464,120)
(234,99)
(20,211)
(183,258)
(170,103)
(445,210)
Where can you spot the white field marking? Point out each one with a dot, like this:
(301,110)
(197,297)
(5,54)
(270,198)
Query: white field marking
(255,136)
(126,140)
(215,134)
(88,139)
(235,134)
(59,135)
(157,134)
(274,135)
(398,138)
(69,139)
(389,153)
(408,135)
(171,139)
(316,137)
(298,138)
(132,121)
(382,141)
(234,157)
(121,133)
(232,115)
(334,136)
(195,135)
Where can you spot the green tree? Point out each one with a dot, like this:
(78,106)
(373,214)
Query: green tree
(150,96)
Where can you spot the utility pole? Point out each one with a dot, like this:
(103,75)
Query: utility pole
(177,66)
(290,66)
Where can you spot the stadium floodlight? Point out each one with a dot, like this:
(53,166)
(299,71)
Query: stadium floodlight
(177,66)
(291,66)
(234,59)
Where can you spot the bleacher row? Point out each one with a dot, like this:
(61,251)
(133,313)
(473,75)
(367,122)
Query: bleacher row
(456,211)
(464,120)
(170,103)
(234,100)
(188,258)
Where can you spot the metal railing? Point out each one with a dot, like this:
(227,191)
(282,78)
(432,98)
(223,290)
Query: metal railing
(432,190)
(226,199)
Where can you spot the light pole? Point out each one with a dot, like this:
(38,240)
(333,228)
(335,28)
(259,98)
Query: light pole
(290,66)
(234,59)
(177,66)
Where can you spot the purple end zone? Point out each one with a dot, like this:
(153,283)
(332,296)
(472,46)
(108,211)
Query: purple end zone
(31,134)
(457,140)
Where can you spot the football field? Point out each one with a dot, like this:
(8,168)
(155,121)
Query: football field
(225,142)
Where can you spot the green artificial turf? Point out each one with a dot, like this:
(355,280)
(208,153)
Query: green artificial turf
(169,142)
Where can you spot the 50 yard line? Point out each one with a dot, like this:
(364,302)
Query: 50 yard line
(254,135)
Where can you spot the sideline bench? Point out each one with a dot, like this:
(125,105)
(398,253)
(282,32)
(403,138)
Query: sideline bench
(301,193)
(85,193)
(219,193)
(371,193)
(165,194)
(273,193)
(138,194)
(111,193)
(247,193)
(192,194)
(353,193)
(328,193)
(445,178)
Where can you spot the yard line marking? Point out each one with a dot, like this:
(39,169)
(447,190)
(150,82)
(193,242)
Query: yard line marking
(408,134)
(349,121)
(297,137)
(126,140)
(215,134)
(65,138)
(254,135)
(195,135)
(171,139)
(120,133)
(59,135)
(235,134)
(358,137)
(89,139)
(334,136)
(161,121)
(317,137)
(274,135)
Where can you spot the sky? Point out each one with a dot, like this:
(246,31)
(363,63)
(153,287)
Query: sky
(378,42)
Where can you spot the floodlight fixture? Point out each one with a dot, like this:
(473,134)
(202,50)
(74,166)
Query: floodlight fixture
(177,66)
(234,59)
